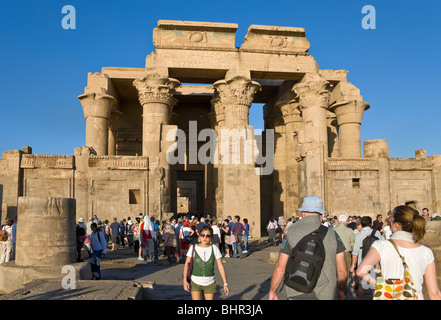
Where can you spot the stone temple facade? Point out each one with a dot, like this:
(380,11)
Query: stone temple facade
(198,79)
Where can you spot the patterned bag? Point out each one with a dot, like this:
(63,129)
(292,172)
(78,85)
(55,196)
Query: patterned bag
(391,289)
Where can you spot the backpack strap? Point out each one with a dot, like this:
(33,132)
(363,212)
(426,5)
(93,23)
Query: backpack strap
(322,230)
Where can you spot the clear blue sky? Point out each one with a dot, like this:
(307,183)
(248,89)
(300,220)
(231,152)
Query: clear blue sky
(44,68)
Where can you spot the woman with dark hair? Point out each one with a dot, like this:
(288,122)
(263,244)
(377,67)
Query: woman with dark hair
(402,251)
(204,254)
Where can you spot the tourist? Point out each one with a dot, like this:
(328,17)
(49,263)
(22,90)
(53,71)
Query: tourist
(177,225)
(426,215)
(96,220)
(353,223)
(14,238)
(227,230)
(140,220)
(170,242)
(246,234)
(81,224)
(204,255)
(378,223)
(81,237)
(333,275)
(130,226)
(408,227)
(106,229)
(347,237)
(216,234)
(185,235)
(122,232)
(155,238)
(6,243)
(237,232)
(88,227)
(148,235)
(272,229)
(114,234)
(99,245)
(281,224)
(357,252)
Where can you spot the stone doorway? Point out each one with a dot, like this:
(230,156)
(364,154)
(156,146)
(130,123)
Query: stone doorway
(190,192)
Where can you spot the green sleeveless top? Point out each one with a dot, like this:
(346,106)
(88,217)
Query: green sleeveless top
(201,268)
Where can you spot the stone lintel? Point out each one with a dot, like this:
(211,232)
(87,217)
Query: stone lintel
(195,35)
(273,39)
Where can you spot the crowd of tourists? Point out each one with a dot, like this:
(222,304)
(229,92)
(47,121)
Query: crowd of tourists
(149,238)
(322,255)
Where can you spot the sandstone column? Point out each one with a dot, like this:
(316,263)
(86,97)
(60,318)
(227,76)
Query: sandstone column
(97,108)
(313,96)
(46,232)
(115,116)
(349,117)
(240,183)
(155,93)
(293,127)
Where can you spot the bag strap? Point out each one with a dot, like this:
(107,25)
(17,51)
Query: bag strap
(396,248)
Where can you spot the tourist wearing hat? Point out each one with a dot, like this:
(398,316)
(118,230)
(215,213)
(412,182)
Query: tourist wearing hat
(81,224)
(333,275)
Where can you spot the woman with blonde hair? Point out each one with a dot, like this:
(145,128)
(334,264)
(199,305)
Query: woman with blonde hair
(408,227)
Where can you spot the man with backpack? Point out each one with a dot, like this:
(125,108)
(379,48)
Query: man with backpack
(311,258)
(362,243)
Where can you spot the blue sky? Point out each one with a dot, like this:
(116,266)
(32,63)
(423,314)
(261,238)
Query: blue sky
(44,67)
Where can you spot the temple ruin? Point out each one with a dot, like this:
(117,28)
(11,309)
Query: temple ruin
(197,75)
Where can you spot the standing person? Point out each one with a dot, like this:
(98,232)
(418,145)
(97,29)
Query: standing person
(14,238)
(147,240)
(227,230)
(246,234)
(88,227)
(99,245)
(6,242)
(216,234)
(378,223)
(272,235)
(333,275)
(130,233)
(237,232)
(347,237)
(170,242)
(357,252)
(80,223)
(122,232)
(106,229)
(185,235)
(114,233)
(408,228)
(281,227)
(353,223)
(204,255)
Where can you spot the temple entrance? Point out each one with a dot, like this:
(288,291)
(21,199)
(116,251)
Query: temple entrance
(190,192)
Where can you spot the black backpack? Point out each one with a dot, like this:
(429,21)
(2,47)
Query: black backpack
(306,261)
(367,243)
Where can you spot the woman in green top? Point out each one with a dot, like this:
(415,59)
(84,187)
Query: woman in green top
(204,255)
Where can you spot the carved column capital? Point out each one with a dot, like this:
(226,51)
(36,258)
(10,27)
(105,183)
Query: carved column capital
(291,111)
(313,92)
(237,90)
(156,88)
(97,104)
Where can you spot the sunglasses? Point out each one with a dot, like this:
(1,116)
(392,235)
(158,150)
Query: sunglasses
(205,235)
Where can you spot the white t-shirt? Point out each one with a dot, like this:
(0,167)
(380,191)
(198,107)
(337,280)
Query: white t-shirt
(417,260)
(185,231)
(204,254)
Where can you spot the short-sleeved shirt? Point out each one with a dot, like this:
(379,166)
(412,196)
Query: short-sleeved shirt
(115,228)
(326,286)
(204,254)
(417,260)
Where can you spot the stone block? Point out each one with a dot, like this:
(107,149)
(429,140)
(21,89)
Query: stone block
(195,35)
